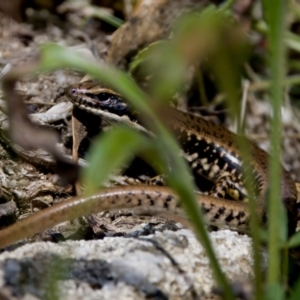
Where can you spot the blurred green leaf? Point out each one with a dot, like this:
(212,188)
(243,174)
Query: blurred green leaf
(110,151)
(145,54)
(295,294)
(291,39)
(294,241)
(275,292)
(275,14)
(104,16)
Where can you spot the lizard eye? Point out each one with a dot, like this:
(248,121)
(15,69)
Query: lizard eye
(104,97)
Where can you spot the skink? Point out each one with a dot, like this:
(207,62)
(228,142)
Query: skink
(211,150)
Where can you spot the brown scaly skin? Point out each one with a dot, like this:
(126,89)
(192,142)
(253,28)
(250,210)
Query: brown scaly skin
(150,199)
(224,142)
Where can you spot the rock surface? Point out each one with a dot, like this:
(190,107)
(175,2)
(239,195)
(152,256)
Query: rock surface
(165,265)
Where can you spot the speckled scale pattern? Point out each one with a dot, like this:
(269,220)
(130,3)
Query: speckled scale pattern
(218,214)
(206,148)
(151,199)
(208,158)
(231,186)
(221,137)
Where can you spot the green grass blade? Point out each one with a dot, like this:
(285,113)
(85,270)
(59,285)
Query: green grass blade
(110,151)
(294,241)
(275,13)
